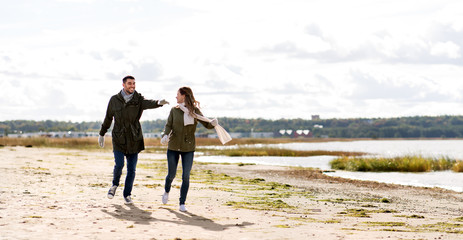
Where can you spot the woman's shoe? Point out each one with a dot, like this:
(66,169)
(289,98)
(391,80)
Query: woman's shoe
(165,197)
(182,208)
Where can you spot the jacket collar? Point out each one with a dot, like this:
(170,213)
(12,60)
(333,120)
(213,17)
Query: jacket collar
(134,98)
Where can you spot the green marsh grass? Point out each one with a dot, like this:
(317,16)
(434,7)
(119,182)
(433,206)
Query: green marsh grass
(92,142)
(153,145)
(395,164)
(458,166)
(71,143)
(267,151)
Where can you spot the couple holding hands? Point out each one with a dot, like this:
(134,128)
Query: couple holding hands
(126,108)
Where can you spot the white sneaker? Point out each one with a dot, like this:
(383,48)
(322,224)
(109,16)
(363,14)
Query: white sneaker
(165,197)
(112,192)
(183,208)
(128,200)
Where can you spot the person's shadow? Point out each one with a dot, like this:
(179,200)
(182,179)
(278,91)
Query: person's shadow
(188,218)
(139,216)
(134,214)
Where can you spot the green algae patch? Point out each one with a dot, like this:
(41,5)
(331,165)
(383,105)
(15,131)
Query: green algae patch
(362,213)
(282,226)
(385,224)
(441,227)
(410,216)
(268,205)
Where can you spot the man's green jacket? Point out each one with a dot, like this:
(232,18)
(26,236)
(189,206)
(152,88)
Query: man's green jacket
(127,133)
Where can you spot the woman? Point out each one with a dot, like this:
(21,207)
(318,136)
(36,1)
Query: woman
(179,133)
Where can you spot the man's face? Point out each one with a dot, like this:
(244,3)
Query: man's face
(129,86)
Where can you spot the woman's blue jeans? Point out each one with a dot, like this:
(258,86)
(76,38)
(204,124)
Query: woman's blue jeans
(131,167)
(172,163)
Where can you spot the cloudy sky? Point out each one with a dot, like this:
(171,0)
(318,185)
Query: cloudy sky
(271,59)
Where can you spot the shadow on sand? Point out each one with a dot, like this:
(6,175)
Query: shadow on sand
(134,214)
(139,216)
(188,218)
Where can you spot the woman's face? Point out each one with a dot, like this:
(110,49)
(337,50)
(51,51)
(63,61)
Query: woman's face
(180,97)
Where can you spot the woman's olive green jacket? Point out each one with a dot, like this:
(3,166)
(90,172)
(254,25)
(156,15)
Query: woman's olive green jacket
(182,138)
(127,134)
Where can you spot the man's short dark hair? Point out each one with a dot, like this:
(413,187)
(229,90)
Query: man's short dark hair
(127,77)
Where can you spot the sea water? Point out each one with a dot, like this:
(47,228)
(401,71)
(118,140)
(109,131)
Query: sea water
(386,148)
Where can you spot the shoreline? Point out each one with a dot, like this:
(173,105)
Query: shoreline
(52,193)
(426,179)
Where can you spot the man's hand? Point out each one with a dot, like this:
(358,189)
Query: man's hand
(165,139)
(214,122)
(101,141)
(163,102)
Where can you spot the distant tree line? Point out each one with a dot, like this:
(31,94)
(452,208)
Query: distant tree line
(25,126)
(402,127)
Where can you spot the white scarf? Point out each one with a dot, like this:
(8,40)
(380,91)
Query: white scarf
(127,97)
(223,135)
(187,118)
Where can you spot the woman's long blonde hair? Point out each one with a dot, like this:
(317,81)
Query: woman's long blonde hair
(190,101)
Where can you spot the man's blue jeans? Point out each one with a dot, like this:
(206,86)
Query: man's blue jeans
(131,166)
(172,163)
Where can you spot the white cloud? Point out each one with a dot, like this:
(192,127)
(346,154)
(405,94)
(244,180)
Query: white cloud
(269,59)
(447,49)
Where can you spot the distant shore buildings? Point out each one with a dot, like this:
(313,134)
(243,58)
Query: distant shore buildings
(282,133)
(68,134)
(288,133)
(305,132)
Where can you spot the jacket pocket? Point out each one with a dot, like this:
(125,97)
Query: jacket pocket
(136,133)
(119,137)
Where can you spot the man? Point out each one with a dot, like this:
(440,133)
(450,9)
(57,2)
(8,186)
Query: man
(126,108)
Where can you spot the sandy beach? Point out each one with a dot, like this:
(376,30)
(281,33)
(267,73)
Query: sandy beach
(52,193)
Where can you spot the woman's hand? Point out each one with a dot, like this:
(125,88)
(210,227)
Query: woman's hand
(165,140)
(214,122)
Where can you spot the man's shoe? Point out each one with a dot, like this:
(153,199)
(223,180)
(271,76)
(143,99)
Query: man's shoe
(128,200)
(112,192)
(165,197)
(182,208)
